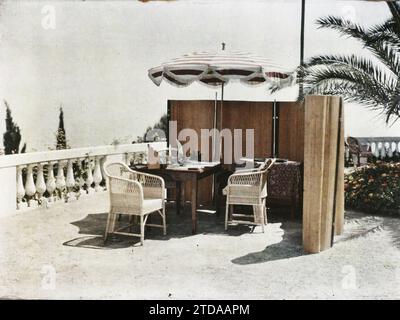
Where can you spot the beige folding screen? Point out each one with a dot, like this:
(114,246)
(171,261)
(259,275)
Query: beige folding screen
(323,207)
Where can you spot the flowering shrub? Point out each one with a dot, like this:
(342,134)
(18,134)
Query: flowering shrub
(374,188)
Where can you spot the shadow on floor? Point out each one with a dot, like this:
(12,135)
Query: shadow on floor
(289,247)
(179,226)
(361,225)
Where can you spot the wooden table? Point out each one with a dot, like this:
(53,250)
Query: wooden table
(183,174)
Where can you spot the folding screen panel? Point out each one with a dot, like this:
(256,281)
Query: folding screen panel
(196,115)
(290,130)
(323,172)
(251,115)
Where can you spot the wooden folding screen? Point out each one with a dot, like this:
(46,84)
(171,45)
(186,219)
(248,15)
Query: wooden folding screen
(323,172)
(290,130)
(251,115)
(196,115)
(199,114)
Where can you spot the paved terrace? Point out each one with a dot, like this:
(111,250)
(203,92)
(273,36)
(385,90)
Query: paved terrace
(210,265)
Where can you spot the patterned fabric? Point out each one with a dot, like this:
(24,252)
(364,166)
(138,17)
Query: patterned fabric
(284,181)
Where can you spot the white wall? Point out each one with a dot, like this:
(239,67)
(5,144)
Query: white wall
(7,191)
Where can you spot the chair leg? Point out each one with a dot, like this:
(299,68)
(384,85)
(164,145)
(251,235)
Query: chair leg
(107,227)
(183,196)
(262,216)
(164,220)
(110,227)
(226,216)
(141,230)
(265,211)
(265,215)
(112,222)
(130,222)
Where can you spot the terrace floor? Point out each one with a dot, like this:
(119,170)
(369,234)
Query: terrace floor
(214,264)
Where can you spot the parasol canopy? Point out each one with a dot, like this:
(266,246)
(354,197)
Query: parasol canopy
(214,69)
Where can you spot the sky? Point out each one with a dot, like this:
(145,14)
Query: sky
(94,61)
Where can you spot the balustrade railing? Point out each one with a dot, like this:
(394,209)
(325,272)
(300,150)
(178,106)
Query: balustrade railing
(381,147)
(43,178)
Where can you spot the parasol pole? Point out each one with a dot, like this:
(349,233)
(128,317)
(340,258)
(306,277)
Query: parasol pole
(214,145)
(303,5)
(222,105)
(222,88)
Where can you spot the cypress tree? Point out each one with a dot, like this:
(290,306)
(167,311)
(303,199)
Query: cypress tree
(12,136)
(61,137)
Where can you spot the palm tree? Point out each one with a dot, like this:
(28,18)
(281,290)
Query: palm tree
(359,79)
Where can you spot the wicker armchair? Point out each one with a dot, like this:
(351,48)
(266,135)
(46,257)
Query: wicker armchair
(358,151)
(248,187)
(135,194)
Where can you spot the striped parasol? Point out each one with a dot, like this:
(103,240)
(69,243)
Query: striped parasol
(217,69)
(214,69)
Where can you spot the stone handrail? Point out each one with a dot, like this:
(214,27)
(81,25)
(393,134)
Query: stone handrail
(31,175)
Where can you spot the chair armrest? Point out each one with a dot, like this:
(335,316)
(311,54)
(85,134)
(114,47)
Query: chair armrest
(147,179)
(123,186)
(150,180)
(247,178)
(240,171)
(153,185)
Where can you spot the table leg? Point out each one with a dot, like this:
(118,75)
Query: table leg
(216,193)
(194,204)
(183,195)
(178,197)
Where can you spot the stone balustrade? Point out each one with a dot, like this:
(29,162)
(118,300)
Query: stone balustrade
(42,178)
(381,147)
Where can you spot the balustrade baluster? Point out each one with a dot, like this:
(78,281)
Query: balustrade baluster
(60,179)
(30,188)
(40,184)
(390,150)
(376,149)
(383,151)
(70,182)
(20,187)
(97,177)
(89,175)
(51,181)
(79,178)
(102,161)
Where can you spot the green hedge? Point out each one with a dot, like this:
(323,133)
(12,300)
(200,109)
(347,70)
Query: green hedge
(374,188)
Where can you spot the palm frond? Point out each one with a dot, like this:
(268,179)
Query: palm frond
(387,32)
(337,82)
(362,67)
(358,79)
(386,52)
(394,8)
(344,27)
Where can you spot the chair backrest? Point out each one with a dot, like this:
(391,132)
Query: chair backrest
(118,169)
(268,163)
(126,194)
(266,166)
(353,144)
